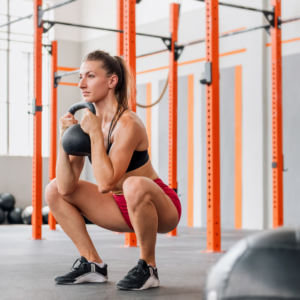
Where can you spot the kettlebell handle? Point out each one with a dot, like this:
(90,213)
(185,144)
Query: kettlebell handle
(81,105)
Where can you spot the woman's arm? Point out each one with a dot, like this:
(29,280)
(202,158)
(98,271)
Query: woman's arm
(68,168)
(109,170)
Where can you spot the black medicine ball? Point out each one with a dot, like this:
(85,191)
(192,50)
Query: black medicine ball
(14,216)
(7,201)
(2,216)
(45,213)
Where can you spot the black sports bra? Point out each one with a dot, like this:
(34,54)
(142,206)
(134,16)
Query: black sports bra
(138,159)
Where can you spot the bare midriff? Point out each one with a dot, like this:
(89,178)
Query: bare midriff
(146,170)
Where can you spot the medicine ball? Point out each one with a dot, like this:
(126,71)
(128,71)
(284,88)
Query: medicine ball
(45,213)
(14,216)
(2,216)
(7,201)
(26,215)
(261,266)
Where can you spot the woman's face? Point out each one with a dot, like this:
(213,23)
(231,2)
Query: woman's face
(93,82)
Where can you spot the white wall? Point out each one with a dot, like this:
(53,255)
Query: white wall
(15,178)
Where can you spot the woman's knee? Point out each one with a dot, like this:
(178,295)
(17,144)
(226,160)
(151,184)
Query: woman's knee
(51,192)
(135,191)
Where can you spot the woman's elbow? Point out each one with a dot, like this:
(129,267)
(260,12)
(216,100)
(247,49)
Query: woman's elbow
(104,189)
(65,191)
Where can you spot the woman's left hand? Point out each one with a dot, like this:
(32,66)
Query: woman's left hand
(90,123)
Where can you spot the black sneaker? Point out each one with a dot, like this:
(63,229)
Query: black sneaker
(141,277)
(83,272)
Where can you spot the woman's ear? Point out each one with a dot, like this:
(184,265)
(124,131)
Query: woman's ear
(113,81)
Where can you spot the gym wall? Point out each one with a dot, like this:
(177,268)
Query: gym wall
(248,50)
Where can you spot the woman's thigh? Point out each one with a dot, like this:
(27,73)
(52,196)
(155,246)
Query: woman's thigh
(101,209)
(135,188)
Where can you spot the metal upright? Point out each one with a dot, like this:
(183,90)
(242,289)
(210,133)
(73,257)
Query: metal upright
(130,58)
(212,126)
(173,86)
(120,26)
(53,125)
(37,112)
(277,156)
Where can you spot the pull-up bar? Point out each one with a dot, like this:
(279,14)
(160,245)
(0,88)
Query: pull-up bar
(267,26)
(268,13)
(52,23)
(41,12)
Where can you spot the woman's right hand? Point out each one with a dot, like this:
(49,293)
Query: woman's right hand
(66,121)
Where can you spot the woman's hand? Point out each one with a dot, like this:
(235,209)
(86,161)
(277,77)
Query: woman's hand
(90,123)
(66,121)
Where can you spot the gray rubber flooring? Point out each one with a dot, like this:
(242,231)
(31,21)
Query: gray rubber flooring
(27,267)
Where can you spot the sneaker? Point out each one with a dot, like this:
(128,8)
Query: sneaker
(83,272)
(141,277)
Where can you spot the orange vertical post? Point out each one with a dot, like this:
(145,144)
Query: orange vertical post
(277,155)
(190,158)
(120,26)
(174,18)
(130,44)
(53,126)
(213,128)
(238,148)
(37,148)
(130,58)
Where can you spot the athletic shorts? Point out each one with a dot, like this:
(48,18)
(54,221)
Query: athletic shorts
(121,202)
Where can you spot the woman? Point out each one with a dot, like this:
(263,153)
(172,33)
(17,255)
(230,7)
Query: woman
(129,196)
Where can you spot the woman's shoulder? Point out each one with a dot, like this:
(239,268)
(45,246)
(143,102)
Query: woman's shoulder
(130,119)
(131,127)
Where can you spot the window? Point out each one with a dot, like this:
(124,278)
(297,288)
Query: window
(16,81)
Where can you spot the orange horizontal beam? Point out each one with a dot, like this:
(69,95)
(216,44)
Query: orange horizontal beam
(234,30)
(233,52)
(152,70)
(193,61)
(68,83)
(286,41)
(66,69)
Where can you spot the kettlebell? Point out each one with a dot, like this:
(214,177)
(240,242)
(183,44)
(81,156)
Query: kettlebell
(75,141)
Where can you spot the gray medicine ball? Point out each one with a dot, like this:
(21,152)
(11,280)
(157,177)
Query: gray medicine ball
(265,265)
(27,214)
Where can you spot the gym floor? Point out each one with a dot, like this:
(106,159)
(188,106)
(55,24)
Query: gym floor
(28,267)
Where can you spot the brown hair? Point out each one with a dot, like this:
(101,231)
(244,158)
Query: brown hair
(116,65)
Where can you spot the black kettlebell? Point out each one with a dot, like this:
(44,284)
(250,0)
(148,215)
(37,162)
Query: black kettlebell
(75,141)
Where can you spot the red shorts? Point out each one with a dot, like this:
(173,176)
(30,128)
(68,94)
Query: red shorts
(121,202)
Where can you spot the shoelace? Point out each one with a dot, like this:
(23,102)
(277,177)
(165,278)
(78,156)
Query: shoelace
(137,271)
(81,265)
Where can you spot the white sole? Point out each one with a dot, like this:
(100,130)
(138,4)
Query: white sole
(150,283)
(91,277)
